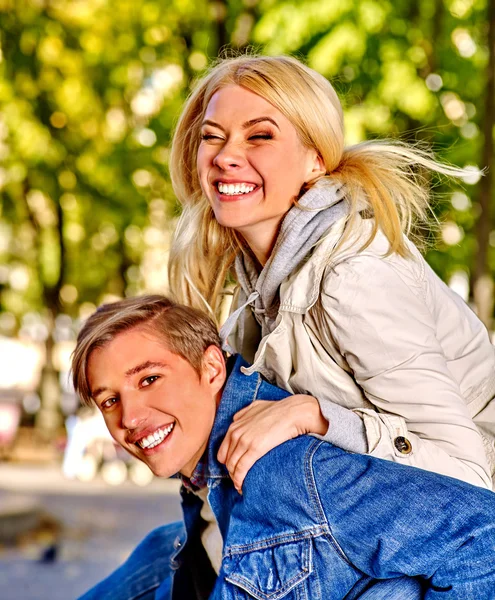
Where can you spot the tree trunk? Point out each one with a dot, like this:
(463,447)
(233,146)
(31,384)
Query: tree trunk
(219,10)
(49,417)
(483,283)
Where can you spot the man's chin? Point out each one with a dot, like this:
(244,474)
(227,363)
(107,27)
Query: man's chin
(159,471)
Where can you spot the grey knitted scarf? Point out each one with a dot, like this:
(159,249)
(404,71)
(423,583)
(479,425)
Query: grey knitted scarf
(301,229)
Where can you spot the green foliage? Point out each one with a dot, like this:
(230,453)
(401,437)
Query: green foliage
(90,91)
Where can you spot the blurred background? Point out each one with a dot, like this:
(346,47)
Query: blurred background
(89,94)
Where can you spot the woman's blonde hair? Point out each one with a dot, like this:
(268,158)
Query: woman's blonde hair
(383,177)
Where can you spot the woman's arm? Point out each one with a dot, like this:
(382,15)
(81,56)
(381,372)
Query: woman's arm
(381,323)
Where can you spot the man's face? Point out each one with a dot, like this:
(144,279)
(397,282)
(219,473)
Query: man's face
(153,401)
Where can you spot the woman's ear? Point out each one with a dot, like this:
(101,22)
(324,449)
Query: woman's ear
(316,167)
(319,166)
(214,370)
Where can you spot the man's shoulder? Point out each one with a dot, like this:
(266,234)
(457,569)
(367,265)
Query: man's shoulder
(278,489)
(268,391)
(290,460)
(242,377)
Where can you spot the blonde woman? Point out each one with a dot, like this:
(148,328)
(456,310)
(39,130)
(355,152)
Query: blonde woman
(335,303)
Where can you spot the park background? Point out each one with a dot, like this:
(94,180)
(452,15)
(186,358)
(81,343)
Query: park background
(90,91)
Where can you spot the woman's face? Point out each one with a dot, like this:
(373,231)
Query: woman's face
(251,163)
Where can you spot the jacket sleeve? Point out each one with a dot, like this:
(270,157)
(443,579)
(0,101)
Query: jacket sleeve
(388,520)
(381,324)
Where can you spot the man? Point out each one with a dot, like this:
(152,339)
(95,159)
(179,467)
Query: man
(313,521)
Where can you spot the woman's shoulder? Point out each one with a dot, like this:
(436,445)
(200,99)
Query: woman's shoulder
(334,264)
(374,264)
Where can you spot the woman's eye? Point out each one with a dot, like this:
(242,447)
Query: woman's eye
(149,380)
(261,136)
(209,136)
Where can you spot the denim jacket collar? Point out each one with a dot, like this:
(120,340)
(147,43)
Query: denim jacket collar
(239,391)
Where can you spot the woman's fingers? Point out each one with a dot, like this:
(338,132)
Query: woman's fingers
(242,467)
(245,447)
(263,425)
(255,431)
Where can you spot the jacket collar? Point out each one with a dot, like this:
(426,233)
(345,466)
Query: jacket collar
(239,391)
(300,291)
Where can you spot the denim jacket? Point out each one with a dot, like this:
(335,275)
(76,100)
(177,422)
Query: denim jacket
(315,522)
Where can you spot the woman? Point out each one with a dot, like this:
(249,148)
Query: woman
(335,303)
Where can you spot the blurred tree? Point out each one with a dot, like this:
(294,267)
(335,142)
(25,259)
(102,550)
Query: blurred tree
(90,91)
(483,279)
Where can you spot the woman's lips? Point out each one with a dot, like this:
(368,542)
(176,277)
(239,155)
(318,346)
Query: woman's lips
(223,197)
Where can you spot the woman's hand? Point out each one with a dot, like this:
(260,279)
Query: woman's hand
(264,424)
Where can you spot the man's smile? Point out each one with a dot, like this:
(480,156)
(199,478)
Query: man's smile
(153,439)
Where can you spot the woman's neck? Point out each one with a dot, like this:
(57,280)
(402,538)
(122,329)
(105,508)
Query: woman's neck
(261,240)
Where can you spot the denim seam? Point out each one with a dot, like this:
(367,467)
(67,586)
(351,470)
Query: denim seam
(287,538)
(143,593)
(245,585)
(315,496)
(311,484)
(301,576)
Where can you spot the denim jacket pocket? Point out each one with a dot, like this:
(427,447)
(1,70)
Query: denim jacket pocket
(270,573)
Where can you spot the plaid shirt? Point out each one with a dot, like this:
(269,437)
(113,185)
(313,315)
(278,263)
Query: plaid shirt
(198,479)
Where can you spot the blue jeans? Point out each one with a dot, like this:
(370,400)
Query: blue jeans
(146,570)
(146,575)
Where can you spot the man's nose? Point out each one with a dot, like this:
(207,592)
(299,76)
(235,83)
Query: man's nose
(133,413)
(229,156)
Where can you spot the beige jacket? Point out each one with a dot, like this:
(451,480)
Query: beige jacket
(388,339)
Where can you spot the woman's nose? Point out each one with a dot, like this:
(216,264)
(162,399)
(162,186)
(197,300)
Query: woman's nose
(229,157)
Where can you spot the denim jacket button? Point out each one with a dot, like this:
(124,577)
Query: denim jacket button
(403,445)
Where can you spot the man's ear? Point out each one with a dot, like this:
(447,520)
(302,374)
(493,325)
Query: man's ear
(214,370)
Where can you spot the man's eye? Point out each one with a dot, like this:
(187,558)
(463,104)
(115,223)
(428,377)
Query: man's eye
(108,403)
(149,380)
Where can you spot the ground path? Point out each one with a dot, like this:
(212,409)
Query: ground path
(100,526)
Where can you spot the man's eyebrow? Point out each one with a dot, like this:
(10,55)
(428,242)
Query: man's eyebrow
(245,125)
(149,364)
(98,391)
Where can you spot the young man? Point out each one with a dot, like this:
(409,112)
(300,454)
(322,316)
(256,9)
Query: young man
(313,521)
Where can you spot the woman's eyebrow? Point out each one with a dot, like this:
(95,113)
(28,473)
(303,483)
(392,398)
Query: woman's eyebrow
(245,125)
(252,122)
(212,123)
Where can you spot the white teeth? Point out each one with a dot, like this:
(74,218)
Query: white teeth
(152,440)
(235,189)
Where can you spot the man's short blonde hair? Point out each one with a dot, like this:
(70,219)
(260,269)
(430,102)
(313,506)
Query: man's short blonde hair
(185,331)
